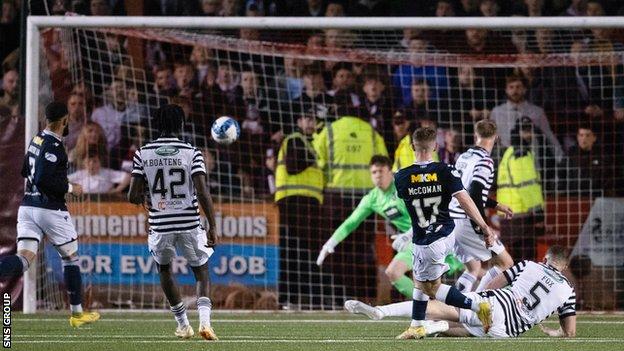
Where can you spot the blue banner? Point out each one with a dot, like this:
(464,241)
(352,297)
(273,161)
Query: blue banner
(132,264)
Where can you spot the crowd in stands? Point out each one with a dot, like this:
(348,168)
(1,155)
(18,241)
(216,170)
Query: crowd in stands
(266,94)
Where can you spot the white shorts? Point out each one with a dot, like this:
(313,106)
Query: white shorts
(428,260)
(473,325)
(469,245)
(34,222)
(190,244)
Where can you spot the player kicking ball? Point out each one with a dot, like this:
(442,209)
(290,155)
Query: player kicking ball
(427,188)
(43,210)
(175,175)
(521,297)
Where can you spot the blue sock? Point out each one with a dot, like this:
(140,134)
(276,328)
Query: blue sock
(453,297)
(73,283)
(12,265)
(419,307)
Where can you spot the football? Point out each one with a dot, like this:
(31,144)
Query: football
(225,130)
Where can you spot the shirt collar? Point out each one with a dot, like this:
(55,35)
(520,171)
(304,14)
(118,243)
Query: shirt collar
(49,132)
(422,163)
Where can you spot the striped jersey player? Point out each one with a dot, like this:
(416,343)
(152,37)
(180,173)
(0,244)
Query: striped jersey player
(477,175)
(175,176)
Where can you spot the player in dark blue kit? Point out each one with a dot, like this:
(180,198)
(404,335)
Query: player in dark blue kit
(43,210)
(427,188)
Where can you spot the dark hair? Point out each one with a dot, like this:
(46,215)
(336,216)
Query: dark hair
(312,69)
(381,160)
(169,119)
(588,126)
(515,78)
(341,65)
(55,111)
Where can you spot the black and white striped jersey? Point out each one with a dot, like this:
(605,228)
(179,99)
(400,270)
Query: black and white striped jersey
(474,165)
(536,291)
(168,165)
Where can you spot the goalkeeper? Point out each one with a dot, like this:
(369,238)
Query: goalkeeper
(381,200)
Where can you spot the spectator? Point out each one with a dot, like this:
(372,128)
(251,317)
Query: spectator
(95,179)
(221,177)
(200,59)
(290,79)
(99,8)
(9,27)
(467,8)
(299,189)
(594,8)
(531,8)
(489,8)
(77,117)
(91,137)
(307,8)
(444,8)
(256,103)
(210,7)
(225,97)
(484,42)
(595,164)
(314,96)
(520,188)
(365,8)
(230,8)
(113,114)
(163,82)
(10,89)
(334,9)
(421,104)
(435,76)
(452,148)
(375,106)
(577,8)
(184,76)
(341,78)
(507,115)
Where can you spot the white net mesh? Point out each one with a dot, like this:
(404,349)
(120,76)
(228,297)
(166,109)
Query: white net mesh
(567,82)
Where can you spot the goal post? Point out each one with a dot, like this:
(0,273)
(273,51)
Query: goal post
(35,54)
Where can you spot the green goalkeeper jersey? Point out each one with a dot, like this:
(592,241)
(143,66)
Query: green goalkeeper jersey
(385,203)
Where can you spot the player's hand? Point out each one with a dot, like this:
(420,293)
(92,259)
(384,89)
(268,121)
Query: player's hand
(488,236)
(211,238)
(551,332)
(77,189)
(328,248)
(506,210)
(401,241)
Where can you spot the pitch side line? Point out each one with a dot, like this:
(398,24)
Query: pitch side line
(337,341)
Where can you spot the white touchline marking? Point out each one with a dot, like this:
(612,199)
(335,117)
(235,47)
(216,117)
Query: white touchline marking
(341,341)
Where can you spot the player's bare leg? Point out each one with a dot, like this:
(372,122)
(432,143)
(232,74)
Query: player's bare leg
(500,263)
(396,274)
(184,329)
(204,305)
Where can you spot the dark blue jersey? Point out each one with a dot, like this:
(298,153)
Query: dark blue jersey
(427,189)
(45,170)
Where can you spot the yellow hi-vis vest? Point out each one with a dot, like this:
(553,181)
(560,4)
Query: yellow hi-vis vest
(345,148)
(307,183)
(404,154)
(519,184)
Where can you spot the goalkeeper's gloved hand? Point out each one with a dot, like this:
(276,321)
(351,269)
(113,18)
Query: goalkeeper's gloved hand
(328,248)
(401,241)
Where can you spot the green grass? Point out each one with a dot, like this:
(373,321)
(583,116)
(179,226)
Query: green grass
(286,331)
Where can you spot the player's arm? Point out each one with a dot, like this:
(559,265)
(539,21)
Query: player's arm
(498,282)
(205,200)
(507,277)
(567,328)
(45,177)
(135,194)
(361,212)
(472,211)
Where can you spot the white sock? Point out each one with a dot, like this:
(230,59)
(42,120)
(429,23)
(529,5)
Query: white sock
(179,311)
(75,309)
(465,282)
(204,306)
(489,275)
(399,309)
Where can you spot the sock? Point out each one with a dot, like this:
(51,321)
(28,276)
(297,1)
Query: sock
(399,309)
(13,265)
(453,297)
(179,311)
(405,286)
(419,307)
(489,275)
(465,282)
(203,307)
(73,284)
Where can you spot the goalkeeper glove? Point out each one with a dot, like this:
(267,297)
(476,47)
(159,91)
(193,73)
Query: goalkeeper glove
(401,241)
(328,248)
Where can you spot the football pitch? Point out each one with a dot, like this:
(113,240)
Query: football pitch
(286,331)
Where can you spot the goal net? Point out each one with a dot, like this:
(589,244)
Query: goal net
(556,95)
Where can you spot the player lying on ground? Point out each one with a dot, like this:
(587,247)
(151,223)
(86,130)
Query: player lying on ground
(427,188)
(523,296)
(383,201)
(175,175)
(44,211)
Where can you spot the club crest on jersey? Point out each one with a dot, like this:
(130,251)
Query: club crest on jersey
(167,150)
(424,178)
(50,157)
